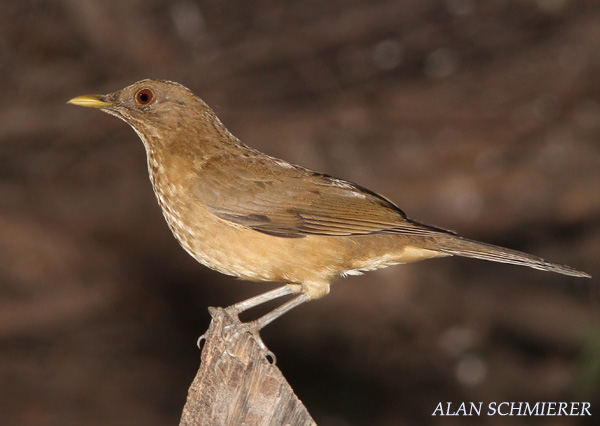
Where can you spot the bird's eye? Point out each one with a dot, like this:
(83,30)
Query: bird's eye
(144,96)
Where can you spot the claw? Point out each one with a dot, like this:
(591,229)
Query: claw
(224,332)
(200,340)
(216,367)
(271,355)
(232,355)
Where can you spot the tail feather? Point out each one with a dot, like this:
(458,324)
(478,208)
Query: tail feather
(468,248)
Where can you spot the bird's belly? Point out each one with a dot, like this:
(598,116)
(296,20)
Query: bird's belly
(251,255)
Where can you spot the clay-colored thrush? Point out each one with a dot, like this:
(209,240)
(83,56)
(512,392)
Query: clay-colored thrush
(246,214)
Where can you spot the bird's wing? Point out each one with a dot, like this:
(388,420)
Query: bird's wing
(280,199)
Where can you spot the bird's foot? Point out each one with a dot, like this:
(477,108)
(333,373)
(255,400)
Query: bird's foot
(232,332)
(254,330)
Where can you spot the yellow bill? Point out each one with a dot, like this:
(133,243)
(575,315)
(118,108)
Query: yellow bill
(90,101)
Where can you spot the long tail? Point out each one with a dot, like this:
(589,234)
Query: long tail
(462,247)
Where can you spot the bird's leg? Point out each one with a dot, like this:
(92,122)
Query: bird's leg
(279,311)
(244,305)
(285,290)
(254,327)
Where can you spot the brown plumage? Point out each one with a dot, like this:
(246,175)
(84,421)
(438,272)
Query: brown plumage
(246,214)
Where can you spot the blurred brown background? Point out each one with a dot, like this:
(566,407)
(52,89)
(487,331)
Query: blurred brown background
(479,116)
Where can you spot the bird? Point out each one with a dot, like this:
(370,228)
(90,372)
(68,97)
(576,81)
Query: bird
(247,214)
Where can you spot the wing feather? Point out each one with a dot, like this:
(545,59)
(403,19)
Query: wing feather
(281,199)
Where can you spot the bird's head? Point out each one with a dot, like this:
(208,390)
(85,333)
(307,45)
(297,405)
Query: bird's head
(157,109)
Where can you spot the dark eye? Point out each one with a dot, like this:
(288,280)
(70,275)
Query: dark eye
(144,96)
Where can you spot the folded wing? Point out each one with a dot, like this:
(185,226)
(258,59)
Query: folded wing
(280,199)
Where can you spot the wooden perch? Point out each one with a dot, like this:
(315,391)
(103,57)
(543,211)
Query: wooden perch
(237,385)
